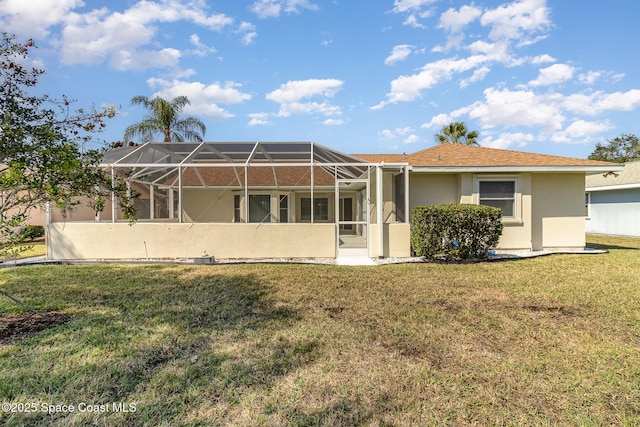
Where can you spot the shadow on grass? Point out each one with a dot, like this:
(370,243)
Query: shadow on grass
(154,333)
(603,241)
(593,245)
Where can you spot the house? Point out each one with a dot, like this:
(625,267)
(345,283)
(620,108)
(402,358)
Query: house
(613,202)
(304,200)
(33,215)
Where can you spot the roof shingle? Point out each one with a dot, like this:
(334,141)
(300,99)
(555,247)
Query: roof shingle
(458,155)
(630,175)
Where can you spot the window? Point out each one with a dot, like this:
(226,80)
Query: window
(236,208)
(398,197)
(259,208)
(499,194)
(320,209)
(587,202)
(284,208)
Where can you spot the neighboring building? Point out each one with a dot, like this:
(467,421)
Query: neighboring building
(303,200)
(613,202)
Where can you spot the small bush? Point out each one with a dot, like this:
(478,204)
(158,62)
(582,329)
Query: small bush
(455,231)
(32,232)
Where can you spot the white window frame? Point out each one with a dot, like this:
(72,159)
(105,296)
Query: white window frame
(287,215)
(587,204)
(516,208)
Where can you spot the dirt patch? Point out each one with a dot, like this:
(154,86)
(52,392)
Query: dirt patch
(553,310)
(14,327)
(334,312)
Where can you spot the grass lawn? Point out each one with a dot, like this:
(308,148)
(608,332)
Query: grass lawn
(553,340)
(26,250)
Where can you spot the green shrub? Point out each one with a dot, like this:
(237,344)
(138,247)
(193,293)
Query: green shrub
(455,231)
(32,232)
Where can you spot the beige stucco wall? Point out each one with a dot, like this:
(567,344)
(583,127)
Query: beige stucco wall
(558,211)
(35,215)
(433,189)
(389,208)
(397,241)
(549,207)
(92,240)
(516,234)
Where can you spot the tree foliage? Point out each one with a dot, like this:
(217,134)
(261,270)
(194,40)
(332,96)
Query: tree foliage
(164,118)
(621,149)
(42,155)
(457,133)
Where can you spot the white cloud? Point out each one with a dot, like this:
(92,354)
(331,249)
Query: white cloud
(400,6)
(333,122)
(513,109)
(580,131)
(201,49)
(414,9)
(409,88)
(387,134)
(599,102)
(34,18)
(412,21)
(618,101)
(497,50)
(273,8)
(290,95)
(395,133)
(518,108)
(542,59)
(438,121)
(142,60)
(506,140)
(411,139)
(248,33)
(455,20)
(589,77)
(556,73)
(204,98)
(517,20)
(399,53)
(296,90)
(322,108)
(118,37)
(259,119)
(478,74)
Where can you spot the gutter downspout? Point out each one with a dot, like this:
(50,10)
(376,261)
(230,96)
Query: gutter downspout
(114,212)
(407,213)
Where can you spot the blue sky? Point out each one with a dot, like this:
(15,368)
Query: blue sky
(382,76)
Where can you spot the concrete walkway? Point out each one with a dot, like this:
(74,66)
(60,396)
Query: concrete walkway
(354,260)
(24,261)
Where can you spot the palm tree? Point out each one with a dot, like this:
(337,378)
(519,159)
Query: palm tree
(164,118)
(456,133)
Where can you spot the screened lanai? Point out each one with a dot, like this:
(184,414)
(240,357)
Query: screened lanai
(265,198)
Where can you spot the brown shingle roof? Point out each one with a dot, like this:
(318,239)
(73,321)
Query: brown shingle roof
(287,176)
(457,155)
(378,158)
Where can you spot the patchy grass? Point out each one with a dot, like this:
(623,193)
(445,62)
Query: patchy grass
(26,250)
(545,341)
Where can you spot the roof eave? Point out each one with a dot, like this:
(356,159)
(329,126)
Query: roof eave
(614,187)
(518,169)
